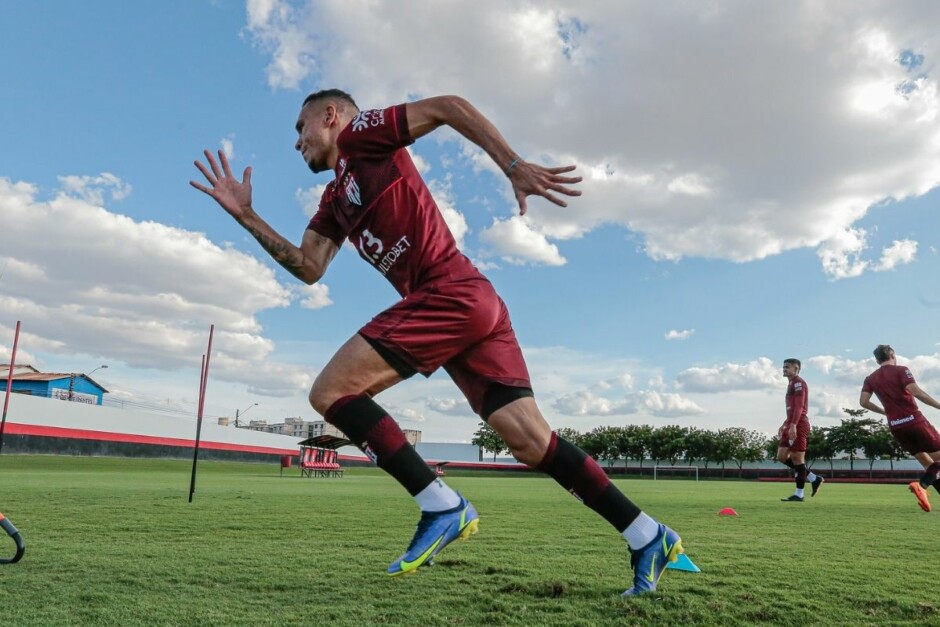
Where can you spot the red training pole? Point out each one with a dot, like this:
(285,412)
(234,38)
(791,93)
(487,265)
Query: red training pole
(203,382)
(6,397)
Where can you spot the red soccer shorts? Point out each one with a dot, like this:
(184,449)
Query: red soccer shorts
(802,435)
(920,437)
(463,326)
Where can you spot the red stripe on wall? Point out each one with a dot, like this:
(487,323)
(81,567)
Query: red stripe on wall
(14,428)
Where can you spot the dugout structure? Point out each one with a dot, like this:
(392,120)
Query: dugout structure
(318,456)
(687,471)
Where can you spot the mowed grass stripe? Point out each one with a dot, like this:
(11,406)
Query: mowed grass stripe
(114,542)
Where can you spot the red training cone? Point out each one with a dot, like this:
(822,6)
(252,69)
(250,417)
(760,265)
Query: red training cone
(728,511)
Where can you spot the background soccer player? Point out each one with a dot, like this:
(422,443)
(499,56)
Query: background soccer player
(449,316)
(895,387)
(795,431)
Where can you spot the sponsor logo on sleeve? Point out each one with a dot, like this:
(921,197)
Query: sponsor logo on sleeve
(365,119)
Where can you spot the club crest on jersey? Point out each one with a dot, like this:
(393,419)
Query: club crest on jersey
(351,188)
(365,119)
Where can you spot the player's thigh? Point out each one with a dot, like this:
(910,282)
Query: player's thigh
(783,452)
(355,369)
(798,457)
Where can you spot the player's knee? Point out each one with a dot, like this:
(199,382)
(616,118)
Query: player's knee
(321,397)
(528,453)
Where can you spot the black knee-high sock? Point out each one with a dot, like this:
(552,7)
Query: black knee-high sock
(930,475)
(789,463)
(582,476)
(379,436)
(800,476)
(936,485)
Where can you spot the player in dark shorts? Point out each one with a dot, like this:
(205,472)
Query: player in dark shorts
(895,387)
(449,315)
(795,432)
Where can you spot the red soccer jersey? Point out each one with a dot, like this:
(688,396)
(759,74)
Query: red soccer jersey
(380,203)
(797,399)
(888,383)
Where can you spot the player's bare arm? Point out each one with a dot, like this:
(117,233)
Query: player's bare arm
(865,401)
(308,262)
(915,390)
(527,178)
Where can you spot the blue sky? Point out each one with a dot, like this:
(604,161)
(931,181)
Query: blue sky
(759,184)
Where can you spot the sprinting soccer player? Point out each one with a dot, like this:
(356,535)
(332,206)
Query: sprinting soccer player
(449,316)
(895,387)
(795,432)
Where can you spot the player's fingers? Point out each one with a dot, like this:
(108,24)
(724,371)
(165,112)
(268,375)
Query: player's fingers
(205,172)
(246,177)
(213,165)
(567,191)
(520,198)
(567,179)
(223,159)
(557,201)
(562,169)
(201,188)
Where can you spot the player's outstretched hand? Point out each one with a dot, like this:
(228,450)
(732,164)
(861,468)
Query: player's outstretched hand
(532,179)
(232,194)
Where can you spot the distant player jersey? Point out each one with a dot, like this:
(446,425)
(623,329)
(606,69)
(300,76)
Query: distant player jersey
(888,383)
(379,202)
(797,399)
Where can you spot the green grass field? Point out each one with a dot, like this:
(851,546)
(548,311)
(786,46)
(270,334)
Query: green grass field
(114,542)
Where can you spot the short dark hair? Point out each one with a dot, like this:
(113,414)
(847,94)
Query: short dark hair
(882,353)
(793,360)
(336,94)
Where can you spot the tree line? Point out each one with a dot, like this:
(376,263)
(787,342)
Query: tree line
(734,445)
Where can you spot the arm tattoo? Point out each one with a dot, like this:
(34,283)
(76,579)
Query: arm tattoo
(283,252)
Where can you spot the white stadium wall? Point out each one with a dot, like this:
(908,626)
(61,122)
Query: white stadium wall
(49,426)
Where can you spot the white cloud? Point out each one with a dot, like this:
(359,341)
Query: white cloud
(735,145)
(92,188)
(444,198)
(586,403)
(841,254)
(516,242)
(665,405)
(309,198)
(685,334)
(316,296)
(227,144)
(86,281)
(760,374)
(898,253)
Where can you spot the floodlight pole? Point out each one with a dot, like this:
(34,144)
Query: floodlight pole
(243,411)
(6,396)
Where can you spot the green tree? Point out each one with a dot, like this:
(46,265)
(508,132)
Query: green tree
(723,451)
(572,435)
(698,444)
(818,446)
(634,442)
(668,443)
(746,446)
(849,437)
(879,444)
(488,440)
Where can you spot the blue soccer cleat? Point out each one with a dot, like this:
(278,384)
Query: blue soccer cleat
(649,562)
(435,531)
